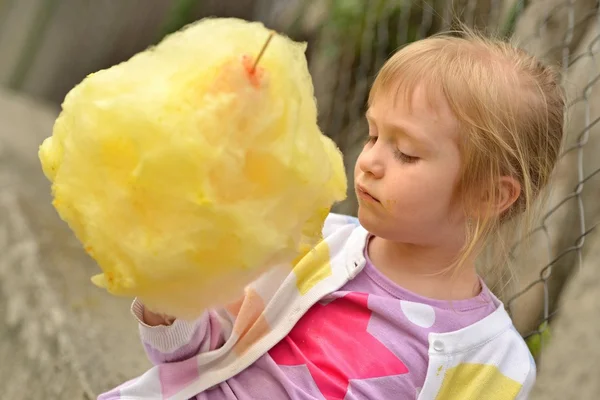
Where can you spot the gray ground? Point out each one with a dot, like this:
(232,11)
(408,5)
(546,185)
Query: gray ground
(60,336)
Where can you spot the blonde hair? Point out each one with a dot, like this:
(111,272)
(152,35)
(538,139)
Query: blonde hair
(510,109)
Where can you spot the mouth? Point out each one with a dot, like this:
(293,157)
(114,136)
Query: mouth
(362,193)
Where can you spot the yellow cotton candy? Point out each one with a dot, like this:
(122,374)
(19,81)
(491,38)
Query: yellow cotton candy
(186,173)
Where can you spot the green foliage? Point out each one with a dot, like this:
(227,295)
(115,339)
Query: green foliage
(537,341)
(345,14)
(347,22)
(180,14)
(508,28)
(401,21)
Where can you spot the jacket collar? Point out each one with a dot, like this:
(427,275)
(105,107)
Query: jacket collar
(355,260)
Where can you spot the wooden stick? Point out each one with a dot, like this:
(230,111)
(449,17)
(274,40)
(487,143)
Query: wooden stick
(262,51)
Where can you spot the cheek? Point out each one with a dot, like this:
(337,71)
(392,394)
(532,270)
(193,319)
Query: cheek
(424,190)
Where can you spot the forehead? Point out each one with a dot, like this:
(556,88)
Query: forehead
(423,108)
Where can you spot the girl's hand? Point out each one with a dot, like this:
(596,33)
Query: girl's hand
(154,319)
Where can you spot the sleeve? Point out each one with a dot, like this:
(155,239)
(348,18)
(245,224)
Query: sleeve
(183,339)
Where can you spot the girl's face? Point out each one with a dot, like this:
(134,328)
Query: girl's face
(407,173)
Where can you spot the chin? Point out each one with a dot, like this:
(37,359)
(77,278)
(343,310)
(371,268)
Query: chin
(369,221)
(379,226)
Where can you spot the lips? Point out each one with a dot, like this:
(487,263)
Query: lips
(364,194)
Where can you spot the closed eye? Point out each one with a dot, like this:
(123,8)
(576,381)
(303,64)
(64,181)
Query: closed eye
(405,158)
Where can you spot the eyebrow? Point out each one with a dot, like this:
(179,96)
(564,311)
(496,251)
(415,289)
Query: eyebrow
(419,138)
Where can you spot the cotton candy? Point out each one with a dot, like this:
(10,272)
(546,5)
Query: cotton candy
(186,173)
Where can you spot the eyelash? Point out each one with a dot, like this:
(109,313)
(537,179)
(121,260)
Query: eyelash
(405,158)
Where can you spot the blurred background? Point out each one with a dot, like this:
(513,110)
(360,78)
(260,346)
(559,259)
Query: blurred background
(61,338)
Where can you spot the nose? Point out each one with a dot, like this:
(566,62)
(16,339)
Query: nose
(370,161)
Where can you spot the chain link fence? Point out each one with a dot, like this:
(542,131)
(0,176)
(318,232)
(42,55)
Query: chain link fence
(566,33)
(353,38)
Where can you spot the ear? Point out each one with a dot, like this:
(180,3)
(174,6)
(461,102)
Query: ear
(509,190)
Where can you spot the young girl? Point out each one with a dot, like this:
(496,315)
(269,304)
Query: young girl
(463,135)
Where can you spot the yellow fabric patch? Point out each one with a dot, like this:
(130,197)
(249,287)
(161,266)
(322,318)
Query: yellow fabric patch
(313,267)
(476,382)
